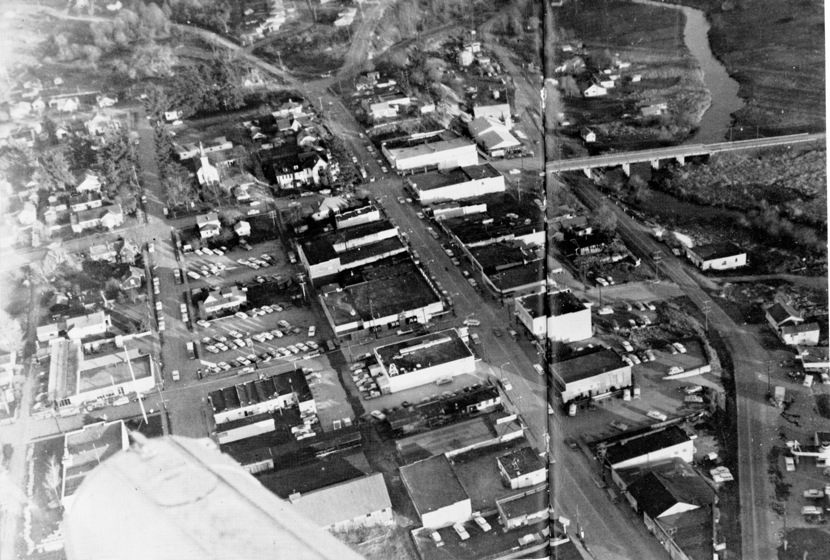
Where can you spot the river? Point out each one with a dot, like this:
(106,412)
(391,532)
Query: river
(715,123)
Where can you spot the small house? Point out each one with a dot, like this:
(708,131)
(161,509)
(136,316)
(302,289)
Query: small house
(594,90)
(242,228)
(209,225)
(588,135)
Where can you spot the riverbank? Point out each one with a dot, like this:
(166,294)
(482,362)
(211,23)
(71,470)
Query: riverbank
(775,51)
(660,96)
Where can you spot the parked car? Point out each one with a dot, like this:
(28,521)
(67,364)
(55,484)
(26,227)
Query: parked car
(680,348)
(312,330)
(461,531)
(627,346)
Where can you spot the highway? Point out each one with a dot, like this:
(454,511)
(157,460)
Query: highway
(672,152)
(757,421)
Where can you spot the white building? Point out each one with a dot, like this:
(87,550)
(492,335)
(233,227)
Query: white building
(651,448)
(436,492)
(492,136)
(590,375)
(569,319)
(76,328)
(443,154)
(225,298)
(362,502)
(242,228)
(209,225)
(261,396)
(207,174)
(423,360)
(717,256)
(456,184)
(109,216)
(594,91)
(521,468)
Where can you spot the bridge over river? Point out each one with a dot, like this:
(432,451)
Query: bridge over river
(677,153)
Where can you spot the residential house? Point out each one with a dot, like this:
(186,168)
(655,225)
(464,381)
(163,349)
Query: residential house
(781,314)
(85,326)
(655,110)
(191,150)
(85,201)
(65,104)
(109,216)
(290,108)
(300,170)
(129,251)
(104,101)
(102,252)
(588,135)
(383,110)
(242,228)
(209,225)
(814,358)
(499,112)
(20,110)
(132,279)
(91,183)
(594,90)
(101,124)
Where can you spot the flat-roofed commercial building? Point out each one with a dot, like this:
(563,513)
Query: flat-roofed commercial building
(75,379)
(456,184)
(560,316)
(392,293)
(717,256)
(650,448)
(590,375)
(521,468)
(444,151)
(436,492)
(422,360)
(262,396)
(509,268)
(85,449)
(326,256)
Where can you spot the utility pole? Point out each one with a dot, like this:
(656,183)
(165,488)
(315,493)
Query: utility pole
(706,308)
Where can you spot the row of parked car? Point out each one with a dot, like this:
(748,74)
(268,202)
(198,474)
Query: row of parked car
(631,357)
(365,383)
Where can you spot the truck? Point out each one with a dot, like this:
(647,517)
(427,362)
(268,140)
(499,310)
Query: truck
(778,396)
(191,350)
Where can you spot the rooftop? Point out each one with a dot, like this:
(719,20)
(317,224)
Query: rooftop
(421,352)
(314,473)
(503,255)
(802,328)
(438,179)
(390,287)
(86,448)
(345,501)
(492,544)
(588,365)
(432,484)
(112,369)
(260,390)
(530,501)
(441,145)
(659,487)
(478,472)
(520,462)
(518,277)
(647,443)
(558,304)
(382,247)
(453,437)
(781,312)
(717,250)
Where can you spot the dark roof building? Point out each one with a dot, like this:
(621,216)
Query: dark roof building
(436,492)
(651,447)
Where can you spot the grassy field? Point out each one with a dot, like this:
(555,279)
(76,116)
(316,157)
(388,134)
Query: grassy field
(775,50)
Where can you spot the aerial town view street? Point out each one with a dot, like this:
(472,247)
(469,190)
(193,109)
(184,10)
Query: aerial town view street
(414,279)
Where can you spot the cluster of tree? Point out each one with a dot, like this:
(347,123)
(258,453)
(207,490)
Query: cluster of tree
(113,160)
(347,174)
(210,86)
(179,190)
(211,14)
(407,19)
(416,75)
(137,30)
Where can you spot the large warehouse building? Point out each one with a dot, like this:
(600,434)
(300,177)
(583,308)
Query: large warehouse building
(591,375)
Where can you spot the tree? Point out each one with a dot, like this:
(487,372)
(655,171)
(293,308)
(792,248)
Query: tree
(179,190)
(605,219)
(156,101)
(52,481)
(11,334)
(54,170)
